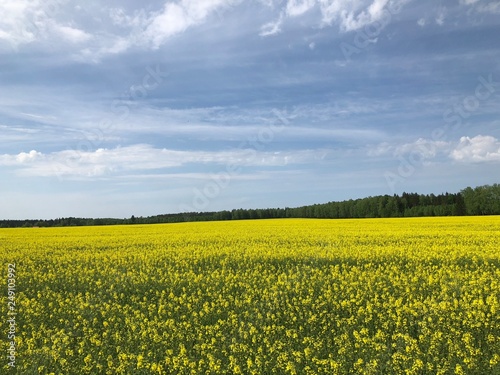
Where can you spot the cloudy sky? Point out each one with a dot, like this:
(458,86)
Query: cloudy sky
(120,108)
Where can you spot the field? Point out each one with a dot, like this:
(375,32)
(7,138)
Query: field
(374,296)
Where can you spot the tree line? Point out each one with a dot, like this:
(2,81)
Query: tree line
(482,200)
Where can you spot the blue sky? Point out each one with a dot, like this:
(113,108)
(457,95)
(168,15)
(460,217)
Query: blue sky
(120,108)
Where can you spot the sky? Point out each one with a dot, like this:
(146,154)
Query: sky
(121,108)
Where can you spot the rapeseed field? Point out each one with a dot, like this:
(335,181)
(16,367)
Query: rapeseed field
(288,296)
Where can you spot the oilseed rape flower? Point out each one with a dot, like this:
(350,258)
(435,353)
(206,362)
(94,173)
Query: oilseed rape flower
(285,296)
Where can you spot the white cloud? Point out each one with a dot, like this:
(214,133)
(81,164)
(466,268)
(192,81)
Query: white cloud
(441,16)
(72,34)
(143,157)
(27,21)
(32,156)
(467,150)
(272,28)
(421,22)
(354,15)
(426,148)
(111,46)
(178,17)
(350,15)
(483,6)
(422,149)
(119,17)
(493,7)
(477,149)
(152,30)
(381,149)
(19,23)
(296,8)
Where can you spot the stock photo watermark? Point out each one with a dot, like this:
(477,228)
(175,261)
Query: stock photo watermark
(120,108)
(370,32)
(453,120)
(201,198)
(11,315)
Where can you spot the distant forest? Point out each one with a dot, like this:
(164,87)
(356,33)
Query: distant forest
(482,200)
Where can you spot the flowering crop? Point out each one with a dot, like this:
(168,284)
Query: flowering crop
(291,296)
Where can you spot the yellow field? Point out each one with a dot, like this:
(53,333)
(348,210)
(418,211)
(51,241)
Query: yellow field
(374,296)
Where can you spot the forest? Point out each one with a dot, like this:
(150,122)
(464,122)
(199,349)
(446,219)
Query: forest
(481,200)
